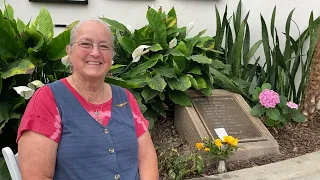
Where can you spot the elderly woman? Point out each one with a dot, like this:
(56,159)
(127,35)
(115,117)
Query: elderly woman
(80,127)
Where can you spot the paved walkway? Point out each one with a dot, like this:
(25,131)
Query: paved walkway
(306,167)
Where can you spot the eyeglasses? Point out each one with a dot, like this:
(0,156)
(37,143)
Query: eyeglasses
(89,45)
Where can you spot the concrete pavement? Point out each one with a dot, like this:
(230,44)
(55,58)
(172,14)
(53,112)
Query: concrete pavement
(306,167)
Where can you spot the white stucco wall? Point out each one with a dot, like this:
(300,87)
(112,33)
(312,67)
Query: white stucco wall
(132,12)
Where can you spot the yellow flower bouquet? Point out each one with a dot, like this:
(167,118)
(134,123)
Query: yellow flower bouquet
(218,149)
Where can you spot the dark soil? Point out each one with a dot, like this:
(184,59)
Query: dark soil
(294,140)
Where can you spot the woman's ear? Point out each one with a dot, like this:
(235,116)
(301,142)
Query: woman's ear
(68,49)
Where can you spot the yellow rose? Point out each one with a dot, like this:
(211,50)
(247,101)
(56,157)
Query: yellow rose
(233,141)
(226,138)
(206,149)
(199,145)
(218,142)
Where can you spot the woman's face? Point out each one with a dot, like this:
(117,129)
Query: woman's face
(91,53)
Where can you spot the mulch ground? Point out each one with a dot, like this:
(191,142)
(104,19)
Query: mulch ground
(294,140)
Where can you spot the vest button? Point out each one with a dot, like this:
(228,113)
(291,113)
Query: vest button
(111,150)
(117,176)
(106,131)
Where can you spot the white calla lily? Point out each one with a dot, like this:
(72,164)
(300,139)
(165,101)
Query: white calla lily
(24,91)
(65,60)
(35,84)
(130,28)
(173,43)
(138,52)
(190,27)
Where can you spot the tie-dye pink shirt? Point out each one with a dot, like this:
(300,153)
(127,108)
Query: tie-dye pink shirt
(42,115)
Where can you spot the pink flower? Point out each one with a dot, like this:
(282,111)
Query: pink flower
(268,98)
(292,105)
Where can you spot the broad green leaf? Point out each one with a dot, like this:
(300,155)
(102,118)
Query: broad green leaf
(180,98)
(23,66)
(143,108)
(1,19)
(218,64)
(158,107)
(202,84)
(182,83)
(57,46)
(171,22)
(181,63)
(20,25)
(148,93)
(297,116)
(257,110)
(0,82)
(256,93)
(201,59)
(155,47)
(4,172)
(266,46)
(207,91)
(116,24)
(237,49)
(4,113)
(246,44)
(273,113)
(157,26)
(45,25)
(162,96)
(227,82)
(242,84)
(237,18)
(193,41)
(195,70)
(252,51)
(116,66)
(9,48)
(174,52)
(269,122)
(127,44)
(166,71)
(266,86)
(273,18)
(157,83)
(182,48)
(140,69)
(151,116)
(157,56)
(283,101)
(116,81)
(194,83)
(8,12)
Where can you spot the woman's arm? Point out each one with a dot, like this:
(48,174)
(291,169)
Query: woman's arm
(147,156)
(37,156)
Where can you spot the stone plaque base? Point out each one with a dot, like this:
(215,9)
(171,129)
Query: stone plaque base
(192,123)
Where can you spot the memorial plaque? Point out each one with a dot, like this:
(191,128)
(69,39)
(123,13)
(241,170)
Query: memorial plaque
(224,111)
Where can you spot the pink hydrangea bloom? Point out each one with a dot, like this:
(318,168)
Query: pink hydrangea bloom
(292,105)
(268,98)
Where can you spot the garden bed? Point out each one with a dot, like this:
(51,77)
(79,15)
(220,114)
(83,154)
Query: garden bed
(294,140)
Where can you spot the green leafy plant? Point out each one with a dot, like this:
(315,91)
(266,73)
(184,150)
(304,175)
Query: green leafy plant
(273,109)
(29,54)
(174,166)
(237,50)
(280,68)
(159,63)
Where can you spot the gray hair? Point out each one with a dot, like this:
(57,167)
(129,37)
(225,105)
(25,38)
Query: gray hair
(76,28)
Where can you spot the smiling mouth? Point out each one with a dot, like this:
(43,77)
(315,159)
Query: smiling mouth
(93,63)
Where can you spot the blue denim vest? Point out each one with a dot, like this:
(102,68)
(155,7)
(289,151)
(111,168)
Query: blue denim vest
(90,151)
